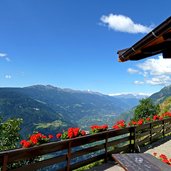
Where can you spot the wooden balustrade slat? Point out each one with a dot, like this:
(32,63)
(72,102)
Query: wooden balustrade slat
(156,130)
(87,161)
(120,149)
(41,164)
(143,127)
(115,142)
(87,150)
(142,134)
(168,131)
(142,142)
(167,126)
(26,153)
(156,136)
(88,139)
(113,133)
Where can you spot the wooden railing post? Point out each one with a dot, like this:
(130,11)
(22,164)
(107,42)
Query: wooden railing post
(135,141)
(163,123)
(132,139)
(106,142)
(150,132)
(130,142)
(69,156)
(4,164)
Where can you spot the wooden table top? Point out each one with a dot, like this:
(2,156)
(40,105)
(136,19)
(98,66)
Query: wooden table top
(140,162)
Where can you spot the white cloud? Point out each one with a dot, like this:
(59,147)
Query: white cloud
(138,82)
(4,56)
(157,66)
(155,71)
(159,80)
(123,24)
(8,76)
(132,71)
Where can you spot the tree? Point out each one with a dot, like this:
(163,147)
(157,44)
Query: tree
(9,133)
(146,108)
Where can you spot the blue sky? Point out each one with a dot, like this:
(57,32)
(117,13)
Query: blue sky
(74,44)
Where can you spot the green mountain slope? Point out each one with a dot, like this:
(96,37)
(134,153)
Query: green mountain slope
(160,96)
(52,109)
(34,113)
(165,106)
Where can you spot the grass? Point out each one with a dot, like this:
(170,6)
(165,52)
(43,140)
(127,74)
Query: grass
(55,124)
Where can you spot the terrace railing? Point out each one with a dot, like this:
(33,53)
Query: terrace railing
(73,153)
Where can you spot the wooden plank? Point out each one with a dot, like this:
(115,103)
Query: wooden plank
(156,136)
(88,139)
(98,136)
(167,131)
(69,156)
(115,133)
(41,164)
(5,161)
(142,142)
(88,161)
(120,149)
(142,127)
(87,150)
(115,142)
(140,161)
(26,153)
(167,126)
(143,134)
(156,130)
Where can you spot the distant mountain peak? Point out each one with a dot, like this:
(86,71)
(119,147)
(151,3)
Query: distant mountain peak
(68,90)
(131,95)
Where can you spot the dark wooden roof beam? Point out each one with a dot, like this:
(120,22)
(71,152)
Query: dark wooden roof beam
(167,53)
(157,41)
(157,48)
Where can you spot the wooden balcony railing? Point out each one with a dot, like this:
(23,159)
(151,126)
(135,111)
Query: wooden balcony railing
(74,153)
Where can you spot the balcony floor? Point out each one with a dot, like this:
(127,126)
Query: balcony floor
(161,146)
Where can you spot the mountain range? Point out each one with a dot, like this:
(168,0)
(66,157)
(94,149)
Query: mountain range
(51,109)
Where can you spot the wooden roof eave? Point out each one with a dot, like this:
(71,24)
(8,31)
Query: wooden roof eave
(156,37)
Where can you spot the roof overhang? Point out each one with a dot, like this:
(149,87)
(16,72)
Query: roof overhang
(155,42)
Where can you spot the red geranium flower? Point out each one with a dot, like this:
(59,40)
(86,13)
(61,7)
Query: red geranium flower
(83,132)
(25,143)
(115,127)
(50,136)
(58,135)
(140,122)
